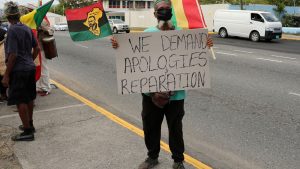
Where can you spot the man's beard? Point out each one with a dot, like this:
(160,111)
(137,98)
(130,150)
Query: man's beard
(165,25)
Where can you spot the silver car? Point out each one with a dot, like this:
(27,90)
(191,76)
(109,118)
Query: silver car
(117,25)
(61,27)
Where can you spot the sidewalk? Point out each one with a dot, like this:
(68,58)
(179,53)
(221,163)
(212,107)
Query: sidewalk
(70,135)
(290,37)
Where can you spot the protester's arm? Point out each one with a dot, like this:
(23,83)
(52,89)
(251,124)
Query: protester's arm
(114,42)
(9,66)
(11,50)
(210,42)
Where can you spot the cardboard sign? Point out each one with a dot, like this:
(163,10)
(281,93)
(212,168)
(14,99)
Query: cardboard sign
(162,61)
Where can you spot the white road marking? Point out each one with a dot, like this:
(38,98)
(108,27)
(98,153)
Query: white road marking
(278,61)
(295,94)
(222,53)
(46,110)
(81,45)
(284,57)
(242,51)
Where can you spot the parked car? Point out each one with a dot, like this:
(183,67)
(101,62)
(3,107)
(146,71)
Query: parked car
(4,26)
(255,25)
(117,25)
(61,27)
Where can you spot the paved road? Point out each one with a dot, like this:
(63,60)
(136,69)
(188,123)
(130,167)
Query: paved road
(285,46)
(250,118)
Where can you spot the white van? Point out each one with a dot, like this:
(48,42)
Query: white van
(255,25)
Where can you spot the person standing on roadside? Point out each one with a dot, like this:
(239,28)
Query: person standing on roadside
(160,104)
(43,85)
(3,96)
(20,51)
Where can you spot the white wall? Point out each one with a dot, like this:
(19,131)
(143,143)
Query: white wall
(145,18)
(140,19)
(55,18)
(209,12)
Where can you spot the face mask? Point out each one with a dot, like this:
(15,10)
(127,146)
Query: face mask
(164,14)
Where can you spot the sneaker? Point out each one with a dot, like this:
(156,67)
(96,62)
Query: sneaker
(22,128)
(148,163)
(178,165)
(23,137)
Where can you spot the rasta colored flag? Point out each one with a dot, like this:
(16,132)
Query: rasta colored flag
(187,14)
(33,20)
(88,23)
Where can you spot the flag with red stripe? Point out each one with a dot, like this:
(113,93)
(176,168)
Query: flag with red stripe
(88,23)
(187,14)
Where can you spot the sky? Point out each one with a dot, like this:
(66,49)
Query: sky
(21,2)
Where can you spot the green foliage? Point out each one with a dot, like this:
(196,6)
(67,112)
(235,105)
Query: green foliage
(69,4)
(291,21)
(246,2)
(291,2)
(234,2)
(280,5)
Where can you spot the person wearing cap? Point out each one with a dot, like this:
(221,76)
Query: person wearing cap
(3,96)
(43,84)
(20,51)
(154,108)
(44,30)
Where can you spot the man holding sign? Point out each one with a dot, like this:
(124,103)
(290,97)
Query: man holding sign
(164,103)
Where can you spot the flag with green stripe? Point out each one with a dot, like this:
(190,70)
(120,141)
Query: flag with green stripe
(88,23)
(187,14)
(35,18)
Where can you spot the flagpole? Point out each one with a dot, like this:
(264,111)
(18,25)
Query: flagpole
(213,53)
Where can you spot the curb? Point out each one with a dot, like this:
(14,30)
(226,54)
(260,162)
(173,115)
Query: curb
(287,38)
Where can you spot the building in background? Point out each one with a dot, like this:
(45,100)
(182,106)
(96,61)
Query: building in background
(135,13)
(55,19)
(140,13)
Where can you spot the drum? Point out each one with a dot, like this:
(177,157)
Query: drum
(49,47)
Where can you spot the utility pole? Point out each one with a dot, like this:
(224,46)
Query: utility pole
(294,7)
(241,3)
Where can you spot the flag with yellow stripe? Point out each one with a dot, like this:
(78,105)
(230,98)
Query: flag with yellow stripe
(187,14)
(35,18)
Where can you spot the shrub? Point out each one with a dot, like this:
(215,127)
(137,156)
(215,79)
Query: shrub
(291,20)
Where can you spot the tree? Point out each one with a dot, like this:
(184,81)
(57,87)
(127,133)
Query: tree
(291,3)
(241,4)
(69,4)
(280,7)
(233,2)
